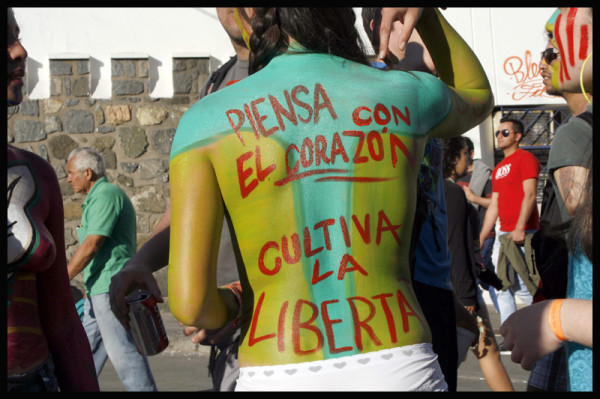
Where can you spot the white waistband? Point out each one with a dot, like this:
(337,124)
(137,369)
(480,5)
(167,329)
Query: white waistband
(407,368)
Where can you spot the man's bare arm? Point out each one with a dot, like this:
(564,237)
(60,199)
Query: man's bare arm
(529,197)
(571,185)
(84,254)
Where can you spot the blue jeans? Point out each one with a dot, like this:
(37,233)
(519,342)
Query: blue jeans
(506,299)
(108,338)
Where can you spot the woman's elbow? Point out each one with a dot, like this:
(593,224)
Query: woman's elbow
(184,314)
(199,314)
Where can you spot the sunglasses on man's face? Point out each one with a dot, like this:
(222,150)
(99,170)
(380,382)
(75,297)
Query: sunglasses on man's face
(504,132)
(549,55)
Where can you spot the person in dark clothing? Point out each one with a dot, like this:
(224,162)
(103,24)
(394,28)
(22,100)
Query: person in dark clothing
(477,183)
(47,349)
(463,227)
(460,218)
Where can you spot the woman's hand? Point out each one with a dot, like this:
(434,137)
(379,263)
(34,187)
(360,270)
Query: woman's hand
(407,15)
(528,335)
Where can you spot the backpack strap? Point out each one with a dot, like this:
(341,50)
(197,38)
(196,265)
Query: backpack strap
(588,117)
(217,77)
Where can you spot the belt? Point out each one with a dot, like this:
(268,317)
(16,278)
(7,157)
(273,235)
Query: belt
(41,378)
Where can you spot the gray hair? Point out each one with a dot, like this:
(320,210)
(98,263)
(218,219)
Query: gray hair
(87,157)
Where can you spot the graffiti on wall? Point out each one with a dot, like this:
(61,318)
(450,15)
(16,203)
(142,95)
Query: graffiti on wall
(523,72)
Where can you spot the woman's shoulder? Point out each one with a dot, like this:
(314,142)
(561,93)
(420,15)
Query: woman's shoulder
(16,154)
(523,155)
(454,190)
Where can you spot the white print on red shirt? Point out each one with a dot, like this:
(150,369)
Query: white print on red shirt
(503,171)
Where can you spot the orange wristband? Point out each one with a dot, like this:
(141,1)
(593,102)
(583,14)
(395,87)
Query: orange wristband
(554,319)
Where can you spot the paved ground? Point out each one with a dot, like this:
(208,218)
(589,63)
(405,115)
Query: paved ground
(183,367)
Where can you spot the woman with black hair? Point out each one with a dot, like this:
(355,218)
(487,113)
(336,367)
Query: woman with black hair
(461,224)
(463,233)
(313,159)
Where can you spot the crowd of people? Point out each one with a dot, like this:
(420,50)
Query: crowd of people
(305,274)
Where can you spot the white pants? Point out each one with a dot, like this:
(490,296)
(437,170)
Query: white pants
(407,368)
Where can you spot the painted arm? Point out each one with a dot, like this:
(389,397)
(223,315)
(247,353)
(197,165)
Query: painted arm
(84,254)
(571,181)
(491,215)
(455,62)
(527,332)
(67,340)
(529,195)
(416,56)
(196,222)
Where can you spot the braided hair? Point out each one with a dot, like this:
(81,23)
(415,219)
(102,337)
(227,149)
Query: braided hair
(317,30)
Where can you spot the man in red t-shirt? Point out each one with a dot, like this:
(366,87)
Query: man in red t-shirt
(514,186)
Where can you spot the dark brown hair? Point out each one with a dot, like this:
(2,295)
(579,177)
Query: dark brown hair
(317,30)
(451,148)
(517,125)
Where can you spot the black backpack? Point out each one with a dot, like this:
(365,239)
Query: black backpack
(550,247)
(549,243)
(216,78)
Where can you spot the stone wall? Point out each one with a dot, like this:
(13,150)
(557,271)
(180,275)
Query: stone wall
(131,130)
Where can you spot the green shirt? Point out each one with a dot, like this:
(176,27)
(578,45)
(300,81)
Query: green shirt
(107,211)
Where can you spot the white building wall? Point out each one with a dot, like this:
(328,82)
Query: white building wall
(104,33)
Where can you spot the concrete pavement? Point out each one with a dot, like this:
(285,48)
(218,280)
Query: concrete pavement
(184,367)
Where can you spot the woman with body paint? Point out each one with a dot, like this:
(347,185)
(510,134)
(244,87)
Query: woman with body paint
(542,328)
(47,349)
(313,159)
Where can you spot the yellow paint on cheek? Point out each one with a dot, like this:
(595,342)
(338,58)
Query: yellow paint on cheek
(245,33)
(555,74)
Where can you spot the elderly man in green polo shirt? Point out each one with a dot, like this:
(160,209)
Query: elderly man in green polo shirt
(107,237)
